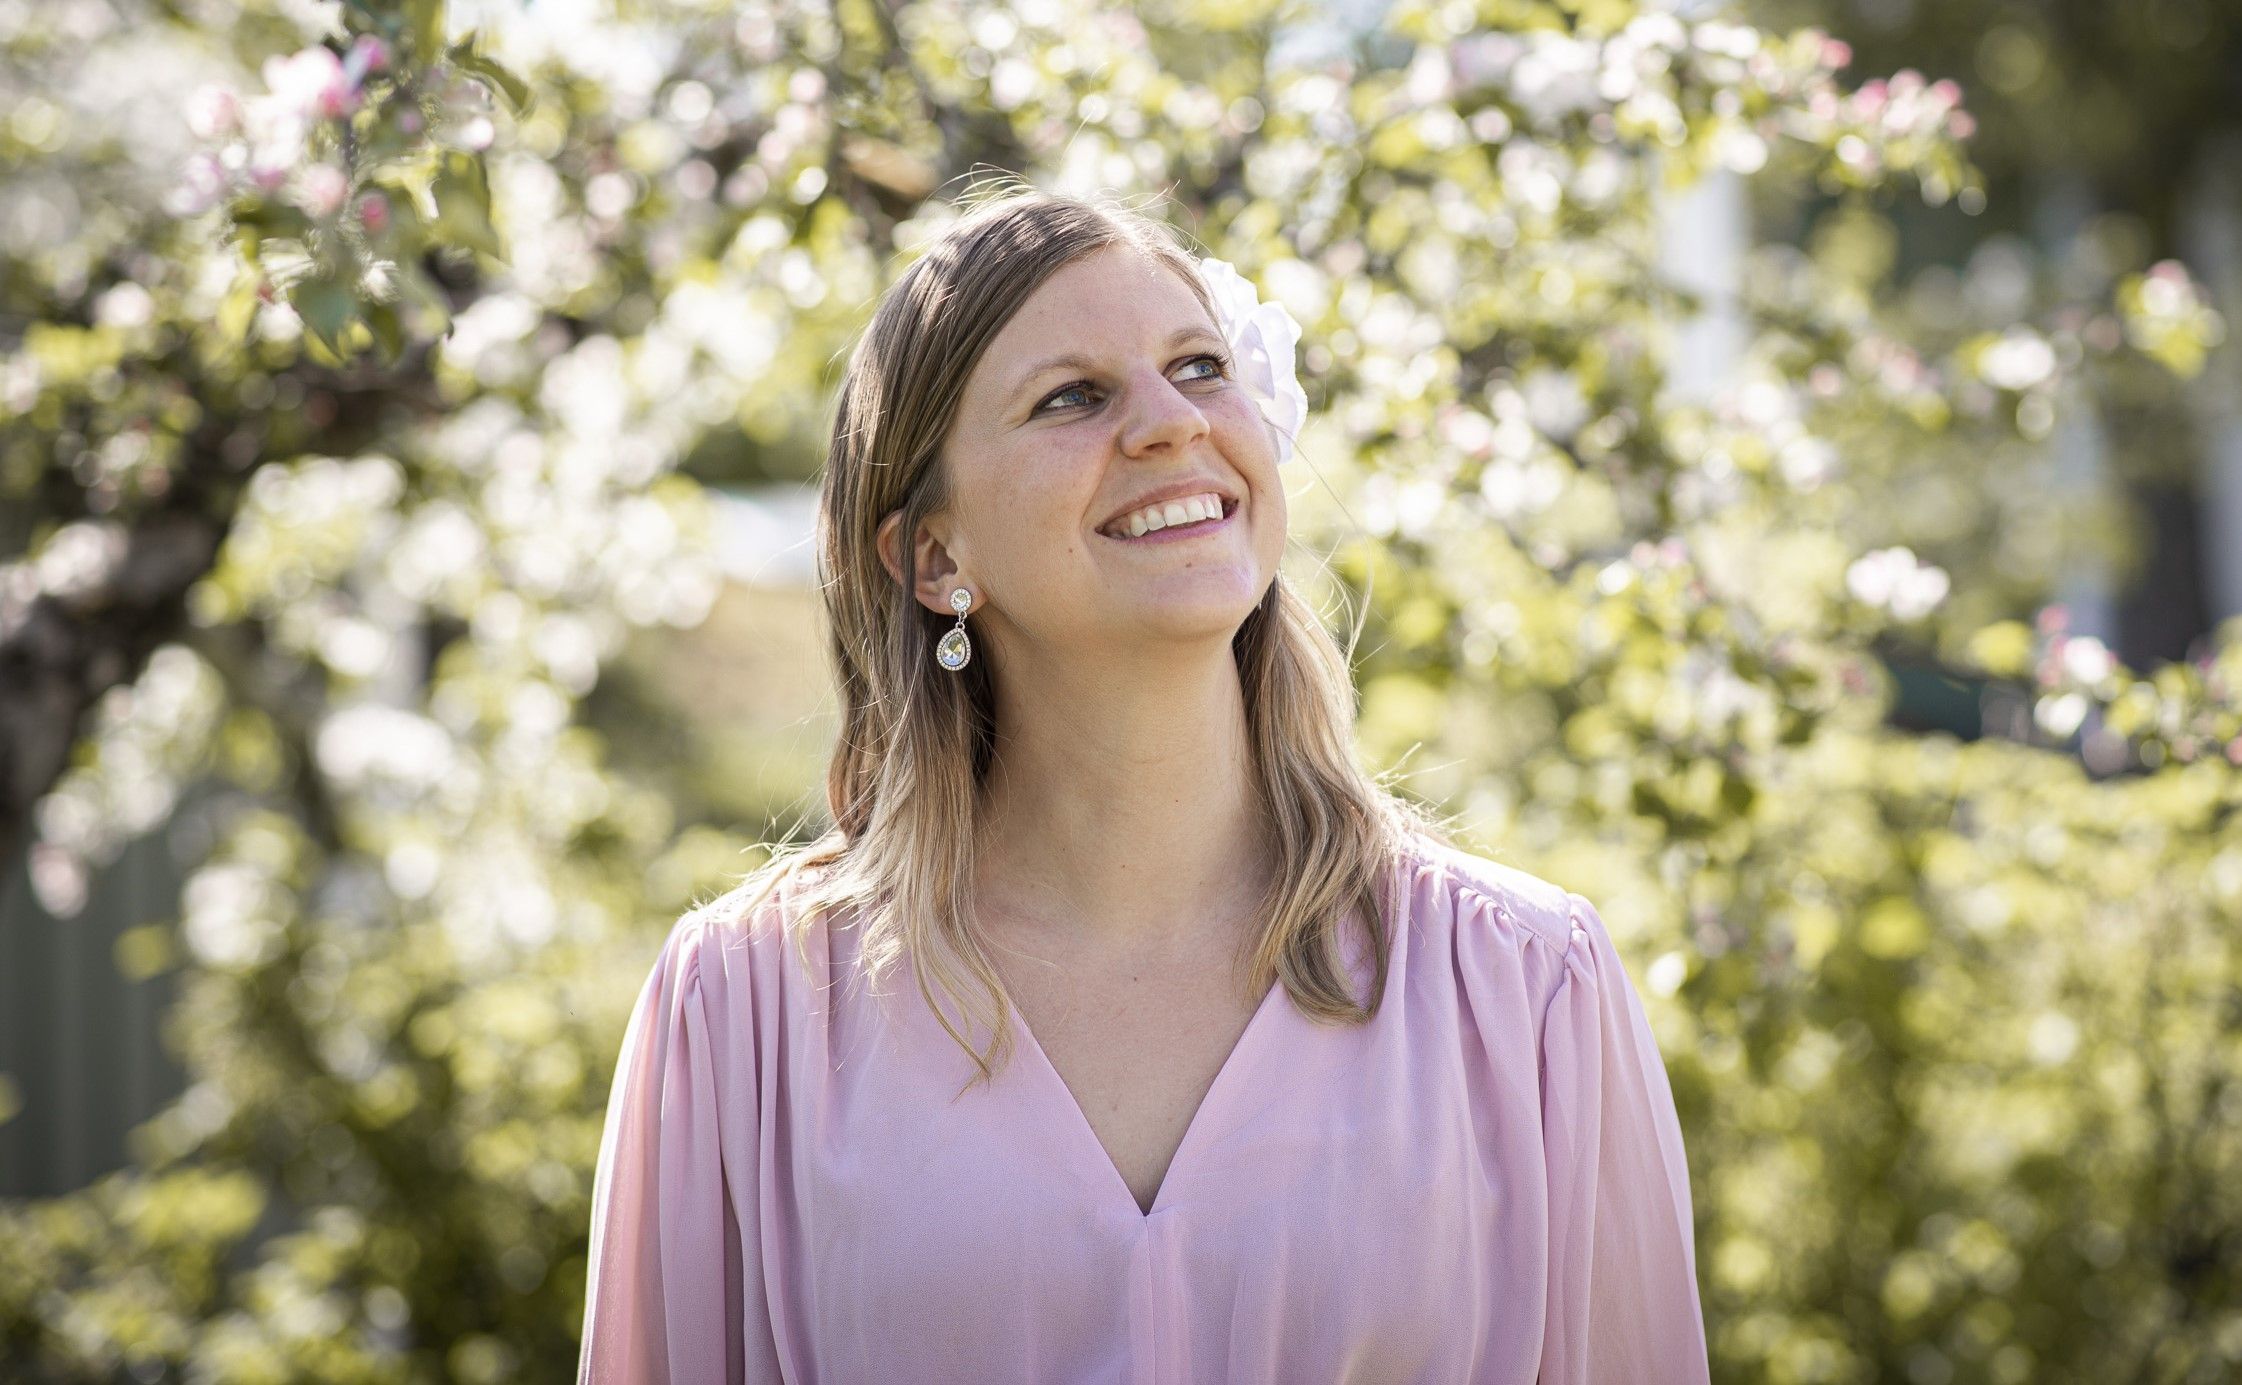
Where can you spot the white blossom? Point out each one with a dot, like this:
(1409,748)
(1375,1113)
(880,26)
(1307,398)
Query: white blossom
(322,188)
(1263,338)
(2019,360)
(213,112)
(311,83)
(1893,579)
(2087,660)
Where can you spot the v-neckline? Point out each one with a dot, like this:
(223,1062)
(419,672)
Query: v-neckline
(1223,1078)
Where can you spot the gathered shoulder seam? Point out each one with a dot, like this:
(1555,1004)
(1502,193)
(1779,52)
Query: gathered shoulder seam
(1533,926)
(1504,897)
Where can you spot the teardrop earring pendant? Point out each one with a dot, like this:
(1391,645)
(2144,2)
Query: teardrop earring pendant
(956,649)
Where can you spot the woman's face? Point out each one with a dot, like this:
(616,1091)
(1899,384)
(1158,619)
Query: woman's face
(1111,386)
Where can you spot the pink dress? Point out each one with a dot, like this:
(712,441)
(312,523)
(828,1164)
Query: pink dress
(1485,1184)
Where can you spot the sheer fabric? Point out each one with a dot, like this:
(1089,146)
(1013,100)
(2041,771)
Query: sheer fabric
(1485,1184)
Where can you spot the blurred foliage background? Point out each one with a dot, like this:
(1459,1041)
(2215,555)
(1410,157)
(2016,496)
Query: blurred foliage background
(373,374)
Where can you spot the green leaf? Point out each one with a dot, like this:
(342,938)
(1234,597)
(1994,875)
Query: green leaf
(237,310)
(468,53)
(462,194)
(407,186)
(389,333)
(1894,929)
(425,311)
(326,307)
(2004,648)
(424,21)
(273,220)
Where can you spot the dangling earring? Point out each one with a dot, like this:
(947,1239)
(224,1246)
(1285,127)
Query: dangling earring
(955,649)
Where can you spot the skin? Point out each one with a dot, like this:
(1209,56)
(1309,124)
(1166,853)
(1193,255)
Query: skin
(1118,836)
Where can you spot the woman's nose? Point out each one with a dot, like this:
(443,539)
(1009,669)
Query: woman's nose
(1160,412)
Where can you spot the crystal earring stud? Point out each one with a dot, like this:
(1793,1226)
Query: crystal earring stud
(955,649)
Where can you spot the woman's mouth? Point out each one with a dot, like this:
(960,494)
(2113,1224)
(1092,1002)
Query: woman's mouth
(1177,533)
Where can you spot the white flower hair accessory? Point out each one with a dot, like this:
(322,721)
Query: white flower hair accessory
(1262,337)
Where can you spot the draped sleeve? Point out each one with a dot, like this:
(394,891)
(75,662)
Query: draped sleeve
(667,1281)
(1623,1302)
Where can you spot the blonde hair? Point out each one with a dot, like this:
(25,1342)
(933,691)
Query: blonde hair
(916,739)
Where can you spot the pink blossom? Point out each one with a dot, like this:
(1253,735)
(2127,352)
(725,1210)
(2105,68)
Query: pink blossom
(1962,123)
(213,112)
(1836,53)
(312,82)
(367,54)
(201,183)
(204,170)
(373,213)
(322,189)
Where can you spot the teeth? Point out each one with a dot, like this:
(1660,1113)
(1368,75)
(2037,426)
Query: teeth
(1185,511)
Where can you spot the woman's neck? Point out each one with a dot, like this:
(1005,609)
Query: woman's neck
(1123,814)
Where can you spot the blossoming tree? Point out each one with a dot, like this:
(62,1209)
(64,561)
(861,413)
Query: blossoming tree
(356,433)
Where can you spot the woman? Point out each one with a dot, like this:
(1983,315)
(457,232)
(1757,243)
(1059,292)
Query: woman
(1252,1076)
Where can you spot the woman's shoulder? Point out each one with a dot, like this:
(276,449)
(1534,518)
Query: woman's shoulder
(1505,938)
(1472,893)
(740,940)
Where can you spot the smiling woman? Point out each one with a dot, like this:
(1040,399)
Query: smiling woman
(1279,1084)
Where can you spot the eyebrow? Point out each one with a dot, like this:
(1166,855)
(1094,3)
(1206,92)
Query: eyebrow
(1074,362)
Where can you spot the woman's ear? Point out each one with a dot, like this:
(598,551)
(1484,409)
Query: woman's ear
(935,571)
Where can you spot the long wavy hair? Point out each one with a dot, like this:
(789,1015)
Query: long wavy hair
(916,739)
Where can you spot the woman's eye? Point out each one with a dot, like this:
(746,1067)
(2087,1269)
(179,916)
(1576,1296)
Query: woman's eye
(1221,368)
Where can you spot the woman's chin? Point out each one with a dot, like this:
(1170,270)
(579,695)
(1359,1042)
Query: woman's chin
(1208,611)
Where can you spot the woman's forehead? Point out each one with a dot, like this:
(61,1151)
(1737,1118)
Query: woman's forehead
(1113,297)
(1117,269)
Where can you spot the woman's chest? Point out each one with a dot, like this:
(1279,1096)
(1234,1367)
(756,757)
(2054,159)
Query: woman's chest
(1326,1195)
(1137,1050)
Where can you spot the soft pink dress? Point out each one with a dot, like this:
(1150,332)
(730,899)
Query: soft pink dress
(1485,1184)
